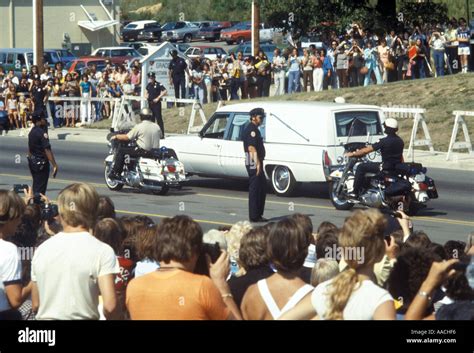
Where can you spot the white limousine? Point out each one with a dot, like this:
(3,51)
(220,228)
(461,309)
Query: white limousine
(302,140)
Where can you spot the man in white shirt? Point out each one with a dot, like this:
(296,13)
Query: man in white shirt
(12,293)
(279,72)
(70,270)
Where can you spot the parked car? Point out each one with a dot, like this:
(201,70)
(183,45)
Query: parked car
(132,30)
(181,47)
(117,55)
(65,55)
(176,31)
(246,49)
(142,48)
(213,32)
(242,32)
(307,41)
(302,141)
(16,59)
(80,64)
(207,52)
(151,34)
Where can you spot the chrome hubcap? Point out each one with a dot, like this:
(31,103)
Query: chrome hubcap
(282,178)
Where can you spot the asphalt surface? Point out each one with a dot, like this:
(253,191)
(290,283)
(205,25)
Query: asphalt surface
(215,202)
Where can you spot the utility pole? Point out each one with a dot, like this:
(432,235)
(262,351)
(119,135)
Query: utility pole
(38,43)
(255,27)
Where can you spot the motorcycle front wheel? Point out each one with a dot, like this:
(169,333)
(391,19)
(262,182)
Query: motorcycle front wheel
(339,203)
(113,185)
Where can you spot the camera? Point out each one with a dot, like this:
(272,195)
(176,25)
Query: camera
(213,250)
(18,188)
(49,212)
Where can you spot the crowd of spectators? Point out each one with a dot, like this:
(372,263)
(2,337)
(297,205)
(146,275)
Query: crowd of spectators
(87,263)
(357,58)
(21,97)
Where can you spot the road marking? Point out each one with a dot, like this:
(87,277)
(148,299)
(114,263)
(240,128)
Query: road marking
(268,201)
(97,185)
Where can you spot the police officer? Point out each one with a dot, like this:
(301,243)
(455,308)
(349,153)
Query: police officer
(40,96)
(146,134)
(391,148)
(154,92)
(255,154)
(176,73)
(40,154)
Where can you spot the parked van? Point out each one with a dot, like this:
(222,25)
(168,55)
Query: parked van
(16,59)
(302,140)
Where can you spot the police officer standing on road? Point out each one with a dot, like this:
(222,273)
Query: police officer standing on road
(154,92)
(255,154)
(40,154)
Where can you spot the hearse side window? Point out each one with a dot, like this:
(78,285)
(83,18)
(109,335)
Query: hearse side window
(239,123)
(215,128)
(361,124)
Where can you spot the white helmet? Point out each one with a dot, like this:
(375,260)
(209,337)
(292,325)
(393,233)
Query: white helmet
(392,123)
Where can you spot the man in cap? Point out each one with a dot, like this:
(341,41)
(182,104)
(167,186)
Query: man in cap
(154,92)
(146,134)
(255,154)
(176,73)
(391,148)
(40,154)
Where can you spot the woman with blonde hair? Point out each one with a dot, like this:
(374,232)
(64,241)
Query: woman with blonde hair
(353,294)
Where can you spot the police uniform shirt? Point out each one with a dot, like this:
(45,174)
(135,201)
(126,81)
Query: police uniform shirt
(391,148)
(38,141)
(252,137)
(178,67)
(38,94)
(154,89)
(147,135)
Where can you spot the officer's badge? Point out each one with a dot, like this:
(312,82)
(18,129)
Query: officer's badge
(253,134)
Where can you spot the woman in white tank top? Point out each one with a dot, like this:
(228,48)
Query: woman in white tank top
(287,249)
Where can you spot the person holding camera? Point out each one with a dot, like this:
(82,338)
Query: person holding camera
(12,293)
(40,155)
(437,44)
(175,291)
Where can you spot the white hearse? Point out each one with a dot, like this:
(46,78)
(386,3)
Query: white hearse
(302,140)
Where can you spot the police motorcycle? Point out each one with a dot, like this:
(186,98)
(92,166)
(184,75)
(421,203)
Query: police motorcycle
(406,188)
(156,170)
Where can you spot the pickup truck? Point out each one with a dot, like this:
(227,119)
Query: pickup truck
(302,140)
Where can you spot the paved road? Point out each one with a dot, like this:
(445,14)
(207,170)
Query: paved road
(215,202)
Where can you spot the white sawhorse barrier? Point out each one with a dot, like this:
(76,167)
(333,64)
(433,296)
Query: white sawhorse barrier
(418,117)
(459,121)
(196,107)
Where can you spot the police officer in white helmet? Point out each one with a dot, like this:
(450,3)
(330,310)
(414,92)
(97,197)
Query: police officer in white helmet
(391,148)
(146,134)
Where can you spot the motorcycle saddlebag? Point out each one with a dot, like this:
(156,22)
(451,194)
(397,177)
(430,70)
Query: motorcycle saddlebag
(397,188)
(409,168)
